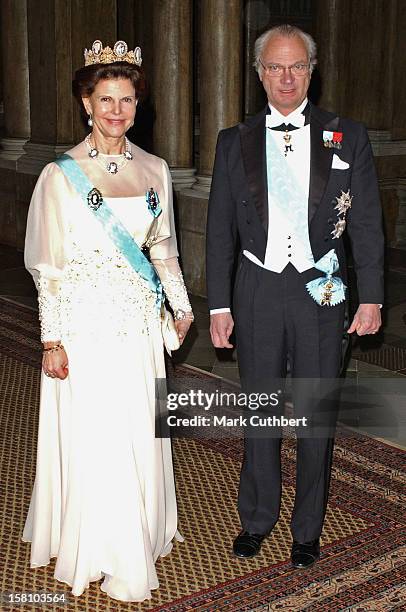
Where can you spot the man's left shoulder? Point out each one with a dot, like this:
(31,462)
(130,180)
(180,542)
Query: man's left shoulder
(349,125)
(344,123)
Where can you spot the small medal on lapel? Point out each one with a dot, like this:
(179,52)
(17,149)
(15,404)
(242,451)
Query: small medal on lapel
(337,139)
(328,139)
(332,140)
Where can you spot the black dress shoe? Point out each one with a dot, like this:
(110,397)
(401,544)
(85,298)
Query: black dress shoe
(304,555)
(247,545)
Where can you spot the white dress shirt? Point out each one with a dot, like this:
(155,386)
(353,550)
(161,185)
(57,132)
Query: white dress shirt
(283,246)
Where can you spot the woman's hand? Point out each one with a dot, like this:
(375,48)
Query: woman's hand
(55,363)
(182,327)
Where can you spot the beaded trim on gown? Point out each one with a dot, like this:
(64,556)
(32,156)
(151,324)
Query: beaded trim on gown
(104,500)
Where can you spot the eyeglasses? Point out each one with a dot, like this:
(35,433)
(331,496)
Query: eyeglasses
(276,70)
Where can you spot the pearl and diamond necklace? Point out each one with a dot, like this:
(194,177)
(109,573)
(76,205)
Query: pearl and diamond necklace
(112,167)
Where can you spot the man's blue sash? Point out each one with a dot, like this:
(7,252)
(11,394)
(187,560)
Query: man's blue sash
(290,198)
(116,231)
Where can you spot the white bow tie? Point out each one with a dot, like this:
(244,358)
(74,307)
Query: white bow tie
(275,119)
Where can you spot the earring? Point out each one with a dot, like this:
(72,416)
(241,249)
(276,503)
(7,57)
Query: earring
(90,120)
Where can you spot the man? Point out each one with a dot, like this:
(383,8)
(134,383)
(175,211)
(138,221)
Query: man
(286,184)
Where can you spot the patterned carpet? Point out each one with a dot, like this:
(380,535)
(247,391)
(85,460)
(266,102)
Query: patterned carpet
(363,563)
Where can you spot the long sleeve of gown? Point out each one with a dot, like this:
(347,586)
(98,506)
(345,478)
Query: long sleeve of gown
(164,253)
(44,248)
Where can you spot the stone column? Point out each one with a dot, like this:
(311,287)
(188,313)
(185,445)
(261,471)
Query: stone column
(256,20)
(172,88)
(49,56)
(332,52)
(360,46)
(219,85)
(398,81)
(355,59)
(134,25)
(220,77)
(15,86)
(58,31)
(13,14)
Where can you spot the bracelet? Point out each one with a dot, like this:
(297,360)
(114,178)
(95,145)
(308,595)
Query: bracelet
(51,349)
(181,315)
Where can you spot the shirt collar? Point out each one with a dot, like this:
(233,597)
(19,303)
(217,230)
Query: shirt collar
(296,117)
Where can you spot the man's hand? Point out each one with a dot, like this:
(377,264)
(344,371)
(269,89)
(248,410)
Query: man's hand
(367,320)
(221,326)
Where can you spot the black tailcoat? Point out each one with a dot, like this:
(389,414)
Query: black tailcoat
(276,319)
(238,203)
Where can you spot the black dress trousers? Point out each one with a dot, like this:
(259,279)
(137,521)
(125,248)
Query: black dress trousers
(276,320)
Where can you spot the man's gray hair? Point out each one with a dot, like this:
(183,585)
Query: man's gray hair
(288,31)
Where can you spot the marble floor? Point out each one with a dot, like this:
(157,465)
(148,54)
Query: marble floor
(16,285)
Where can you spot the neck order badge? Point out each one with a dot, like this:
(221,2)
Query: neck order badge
(288,145)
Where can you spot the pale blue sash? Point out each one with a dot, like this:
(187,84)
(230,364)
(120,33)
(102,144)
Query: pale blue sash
(284,188)
(116,231)
(328,290)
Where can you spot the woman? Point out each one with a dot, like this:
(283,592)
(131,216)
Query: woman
(104,498)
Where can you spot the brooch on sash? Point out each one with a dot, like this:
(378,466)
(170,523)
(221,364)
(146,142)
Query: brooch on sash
(343,204)
(153,202)
(332,140)
(328,290)
(94,199)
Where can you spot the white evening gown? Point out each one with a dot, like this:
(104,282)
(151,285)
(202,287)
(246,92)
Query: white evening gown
(103,501)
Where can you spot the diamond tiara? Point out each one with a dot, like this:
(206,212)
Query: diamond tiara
(107,55)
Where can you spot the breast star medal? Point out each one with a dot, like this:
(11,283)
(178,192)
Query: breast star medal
(343,203)
(342,206)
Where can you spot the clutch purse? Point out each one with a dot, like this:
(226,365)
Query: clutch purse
(169,333)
